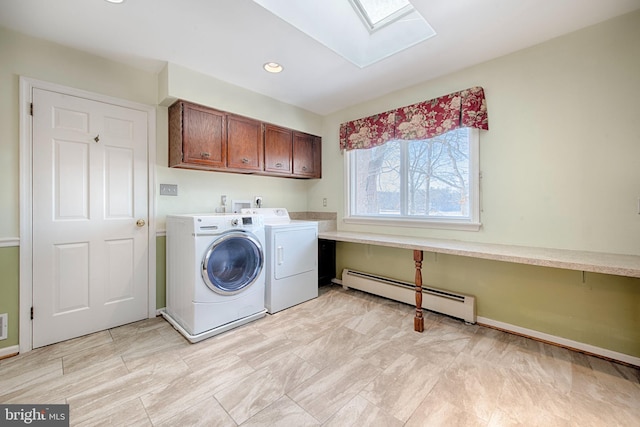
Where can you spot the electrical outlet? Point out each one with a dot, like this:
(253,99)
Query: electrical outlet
(324,202)
(258,201)
(168,189)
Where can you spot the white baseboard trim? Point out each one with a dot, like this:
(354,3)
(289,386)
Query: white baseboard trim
(9,351)
(160,310)
(563,342)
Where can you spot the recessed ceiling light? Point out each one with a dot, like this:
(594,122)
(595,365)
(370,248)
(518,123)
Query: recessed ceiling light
(273,67)
(115,1)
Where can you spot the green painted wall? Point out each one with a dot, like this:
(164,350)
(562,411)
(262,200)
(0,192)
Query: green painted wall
(603,311)
(9,302)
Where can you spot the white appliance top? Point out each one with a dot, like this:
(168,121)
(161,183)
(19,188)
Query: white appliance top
(272,216)
(214,223)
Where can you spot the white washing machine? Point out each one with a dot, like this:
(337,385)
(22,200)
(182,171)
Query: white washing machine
(292,258)
(215,273)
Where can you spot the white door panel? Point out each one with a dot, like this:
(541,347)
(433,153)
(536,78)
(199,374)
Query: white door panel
(119,183)
(71,187)
(295,251)
(90,262)
(71,278)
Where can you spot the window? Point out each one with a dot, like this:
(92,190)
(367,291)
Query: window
(431,182)
(375,14)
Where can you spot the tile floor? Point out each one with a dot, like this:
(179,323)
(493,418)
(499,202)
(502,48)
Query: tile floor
(344,359)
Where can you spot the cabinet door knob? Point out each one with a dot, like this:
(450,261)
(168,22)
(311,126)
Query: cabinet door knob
(205,155)
(304,168)
(278,165)
(245,160)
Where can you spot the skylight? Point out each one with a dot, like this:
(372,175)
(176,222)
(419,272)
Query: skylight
(378,13)
(390,26)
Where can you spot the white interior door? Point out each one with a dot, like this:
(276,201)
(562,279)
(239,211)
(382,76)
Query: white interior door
(90,238)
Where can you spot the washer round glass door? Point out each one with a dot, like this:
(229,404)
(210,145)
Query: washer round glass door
(232,262)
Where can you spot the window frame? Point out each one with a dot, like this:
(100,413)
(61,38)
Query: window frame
(447,223)
(364,14)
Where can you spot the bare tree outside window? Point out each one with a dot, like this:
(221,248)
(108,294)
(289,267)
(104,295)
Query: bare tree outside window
(438,175)
(419,179)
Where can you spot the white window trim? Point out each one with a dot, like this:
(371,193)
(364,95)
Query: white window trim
(472,224)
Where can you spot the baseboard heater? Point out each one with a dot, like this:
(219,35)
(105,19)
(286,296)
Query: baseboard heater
(438,300)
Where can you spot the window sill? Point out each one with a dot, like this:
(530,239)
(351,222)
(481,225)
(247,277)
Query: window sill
(441,224)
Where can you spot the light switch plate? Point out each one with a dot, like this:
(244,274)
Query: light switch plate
(168,189)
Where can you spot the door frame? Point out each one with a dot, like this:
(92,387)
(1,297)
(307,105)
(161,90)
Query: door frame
(26,196)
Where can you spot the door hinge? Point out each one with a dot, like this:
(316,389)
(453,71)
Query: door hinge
(31,109)
(31,313)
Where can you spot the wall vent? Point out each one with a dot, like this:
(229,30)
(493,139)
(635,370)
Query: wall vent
(4,327)
(438,300)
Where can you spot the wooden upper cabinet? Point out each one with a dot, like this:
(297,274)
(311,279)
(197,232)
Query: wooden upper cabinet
(197,136)
(244,143)
(278,149)
(307,155)
(203,138)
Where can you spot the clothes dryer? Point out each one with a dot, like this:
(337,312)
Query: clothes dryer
(291,258)
(215,272)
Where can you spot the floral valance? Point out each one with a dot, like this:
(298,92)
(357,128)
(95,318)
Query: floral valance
(423,120)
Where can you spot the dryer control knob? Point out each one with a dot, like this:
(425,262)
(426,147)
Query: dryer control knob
(234,222)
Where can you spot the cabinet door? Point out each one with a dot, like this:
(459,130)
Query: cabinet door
(307,155)
(203,136)
(277,149)
(244,143)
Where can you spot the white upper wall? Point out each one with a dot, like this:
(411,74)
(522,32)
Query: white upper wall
(181,83)
(560,159)
(198,191)
(38,59)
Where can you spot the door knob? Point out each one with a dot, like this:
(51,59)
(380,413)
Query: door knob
(140,223)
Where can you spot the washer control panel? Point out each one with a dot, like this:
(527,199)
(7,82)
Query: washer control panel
(220,223)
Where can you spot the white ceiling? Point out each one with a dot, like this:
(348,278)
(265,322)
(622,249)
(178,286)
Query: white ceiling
(232,39)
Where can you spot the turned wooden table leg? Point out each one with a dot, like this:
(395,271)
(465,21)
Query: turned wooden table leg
(418,321)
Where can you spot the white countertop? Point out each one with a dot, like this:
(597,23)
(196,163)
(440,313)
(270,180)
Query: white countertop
(595,262)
